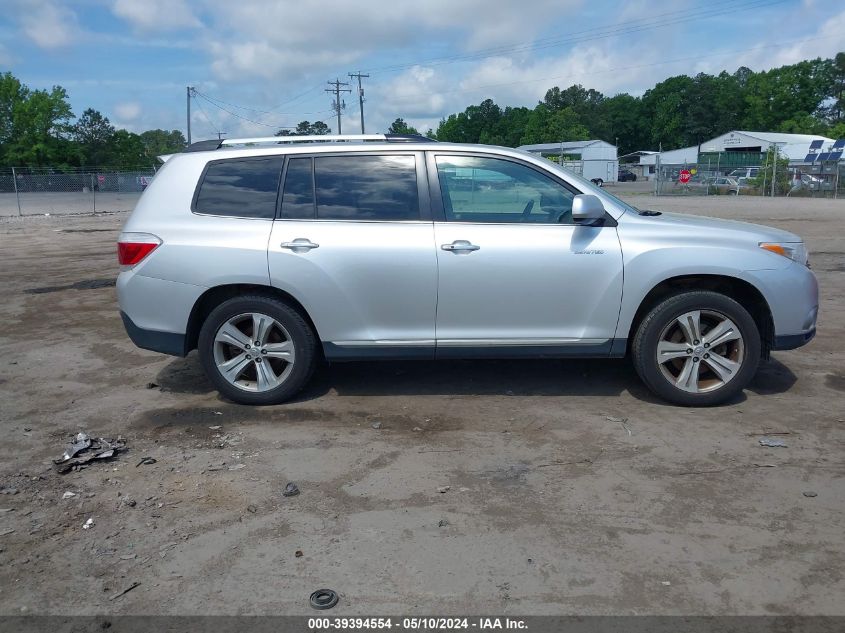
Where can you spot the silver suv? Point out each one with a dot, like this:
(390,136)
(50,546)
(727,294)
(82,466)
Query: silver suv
(269,255)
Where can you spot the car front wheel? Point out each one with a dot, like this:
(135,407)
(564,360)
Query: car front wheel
(697,348)
(257,350)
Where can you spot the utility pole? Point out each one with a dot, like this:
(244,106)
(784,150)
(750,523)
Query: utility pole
(338,106)
(358,75)
(189,90)
(220,135)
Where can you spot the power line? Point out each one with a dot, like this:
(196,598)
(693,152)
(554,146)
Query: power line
(337,105)
(417,95)
(358,75)
(609,31)
(239,116)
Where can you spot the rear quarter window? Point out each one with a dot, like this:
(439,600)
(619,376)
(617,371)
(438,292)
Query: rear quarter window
(240,187)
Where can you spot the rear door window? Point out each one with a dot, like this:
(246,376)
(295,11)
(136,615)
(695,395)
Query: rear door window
(354,187)
(240,187)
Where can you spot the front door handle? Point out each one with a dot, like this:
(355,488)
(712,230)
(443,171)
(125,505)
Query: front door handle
(300,244)
(460,246)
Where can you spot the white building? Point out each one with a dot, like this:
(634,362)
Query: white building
(792,146)
(591,159)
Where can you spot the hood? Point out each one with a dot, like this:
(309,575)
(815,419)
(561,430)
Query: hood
(715,228)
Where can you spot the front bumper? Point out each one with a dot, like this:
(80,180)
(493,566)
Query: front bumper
(793,341)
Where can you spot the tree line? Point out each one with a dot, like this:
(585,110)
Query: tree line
(38,127)
(807,97)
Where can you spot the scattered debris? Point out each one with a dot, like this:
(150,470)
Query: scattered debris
(146,460)
(125,591)
(129,502)
(252,508)
(88,524)
(298,553)
(7,531)
(94,449)
(128,557)
(665,583)
(417,429)
(216,427)
(772,442)
(376,425)
(68,495)
(8,491)
(622,421)
(442,523)
(291,490)
(443,489)
(237,466)
(152,385)
(217,412)
(810,493)
(324,599)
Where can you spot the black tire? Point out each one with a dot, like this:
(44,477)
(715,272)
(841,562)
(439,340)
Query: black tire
(662,316)
(634,178)
(304,341)
(598,182)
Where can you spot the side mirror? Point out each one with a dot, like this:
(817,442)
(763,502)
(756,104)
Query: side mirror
(587,207)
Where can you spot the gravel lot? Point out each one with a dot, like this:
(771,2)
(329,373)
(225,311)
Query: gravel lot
(533,487)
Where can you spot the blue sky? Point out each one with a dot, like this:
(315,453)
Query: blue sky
(264,64)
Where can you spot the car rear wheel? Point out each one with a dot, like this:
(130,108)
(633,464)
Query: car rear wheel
(257,350)
(697,348)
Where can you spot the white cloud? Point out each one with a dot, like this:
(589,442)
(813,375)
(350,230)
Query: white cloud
(47,24)
(254,38)
(156,15)
(128,111)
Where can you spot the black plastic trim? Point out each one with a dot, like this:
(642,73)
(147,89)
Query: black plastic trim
(613,348)
(408,138)
(204,146)
(170,343)
(335,352)
(793,341)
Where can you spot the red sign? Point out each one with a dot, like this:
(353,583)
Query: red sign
(101,179)
(685,176)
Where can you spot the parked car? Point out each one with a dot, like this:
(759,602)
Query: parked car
(626,176)
(269,255)
(726,185)
(745,172)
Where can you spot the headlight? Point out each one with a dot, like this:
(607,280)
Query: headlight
(796,251)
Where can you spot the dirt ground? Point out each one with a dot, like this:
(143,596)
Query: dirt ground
(531,487)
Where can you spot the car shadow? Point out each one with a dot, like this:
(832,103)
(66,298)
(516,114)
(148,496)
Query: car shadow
(545,377)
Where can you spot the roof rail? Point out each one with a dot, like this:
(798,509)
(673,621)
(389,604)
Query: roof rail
(214,144)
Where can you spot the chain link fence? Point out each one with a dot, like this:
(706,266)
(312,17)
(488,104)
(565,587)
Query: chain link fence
(712,177)
(29,191)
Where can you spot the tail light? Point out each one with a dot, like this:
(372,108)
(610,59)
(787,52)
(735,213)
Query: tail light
(133,248)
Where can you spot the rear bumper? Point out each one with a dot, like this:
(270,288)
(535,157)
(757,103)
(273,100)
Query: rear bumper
(163,342)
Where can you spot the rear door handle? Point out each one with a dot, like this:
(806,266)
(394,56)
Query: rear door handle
(300,244)
(460,246)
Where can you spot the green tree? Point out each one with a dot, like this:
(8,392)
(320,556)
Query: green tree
(549,126)
(306,128)
(158,142)
(34,124)
(127,149)
(93,132)
(400,127)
